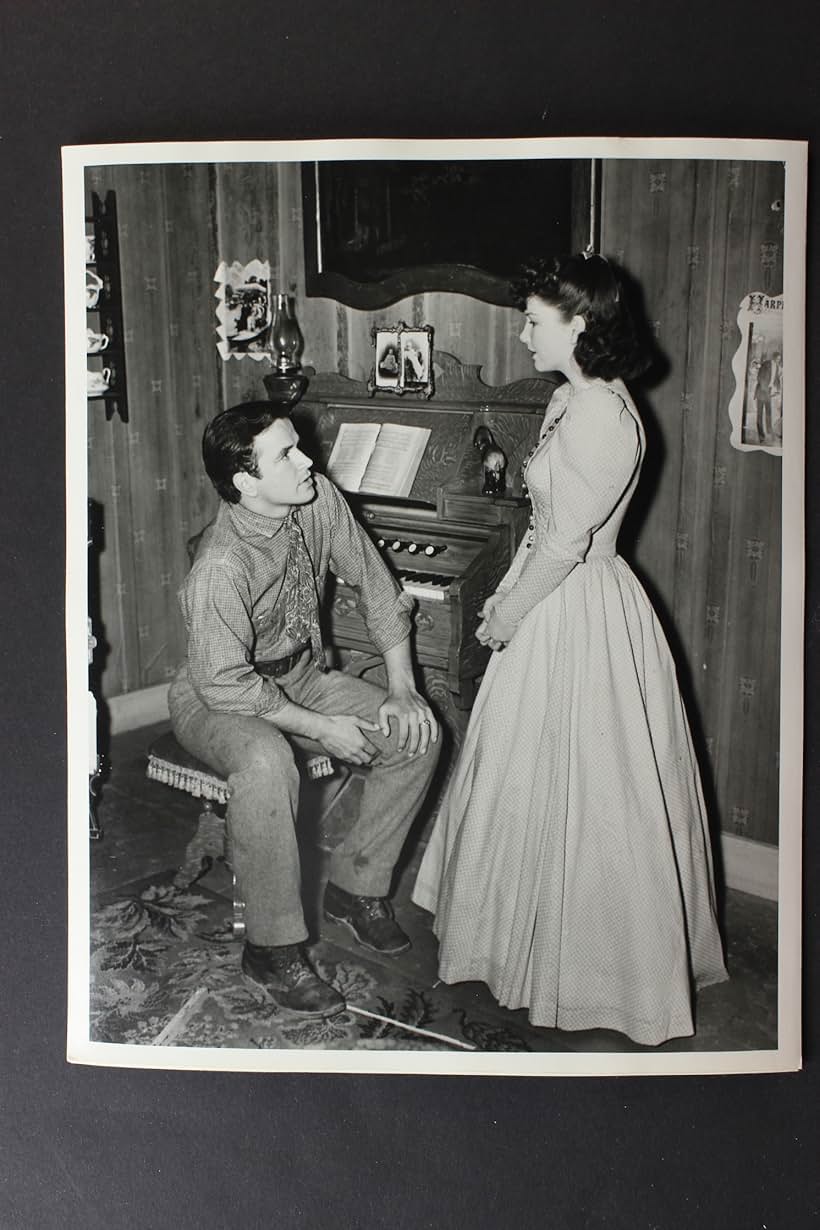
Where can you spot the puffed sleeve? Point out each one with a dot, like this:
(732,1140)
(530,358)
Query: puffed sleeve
(591,465)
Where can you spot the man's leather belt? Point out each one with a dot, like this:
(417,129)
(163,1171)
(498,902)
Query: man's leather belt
(281,666)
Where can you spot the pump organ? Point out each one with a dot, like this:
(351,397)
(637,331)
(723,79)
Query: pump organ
(448,544)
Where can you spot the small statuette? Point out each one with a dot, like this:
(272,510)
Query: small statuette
(495,469)
(493,461)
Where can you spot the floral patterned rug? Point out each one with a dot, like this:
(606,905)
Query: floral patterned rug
(165,968)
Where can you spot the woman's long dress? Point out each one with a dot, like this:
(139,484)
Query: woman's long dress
(570,867)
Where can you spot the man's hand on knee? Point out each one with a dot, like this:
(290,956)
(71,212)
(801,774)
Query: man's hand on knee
(343,735)
(417,727)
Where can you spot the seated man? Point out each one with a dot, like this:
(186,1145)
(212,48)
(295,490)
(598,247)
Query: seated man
(255,679)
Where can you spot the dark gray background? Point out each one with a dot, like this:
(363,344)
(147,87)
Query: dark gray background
(103,1148)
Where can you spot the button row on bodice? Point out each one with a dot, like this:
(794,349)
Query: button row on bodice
(545,433)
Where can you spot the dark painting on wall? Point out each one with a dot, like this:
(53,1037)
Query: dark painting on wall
(378,231)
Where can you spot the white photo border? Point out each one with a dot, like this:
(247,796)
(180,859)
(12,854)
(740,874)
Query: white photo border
(787,1056)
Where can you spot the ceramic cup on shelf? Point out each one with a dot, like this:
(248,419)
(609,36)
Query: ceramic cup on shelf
(95,342)
(90,250)
(93,286)
(98,382)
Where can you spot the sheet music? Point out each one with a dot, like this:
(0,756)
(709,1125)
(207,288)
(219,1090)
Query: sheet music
(380,458)
(395,460)
(351,452)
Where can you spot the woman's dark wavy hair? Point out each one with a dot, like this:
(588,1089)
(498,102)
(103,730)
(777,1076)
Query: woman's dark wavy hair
(228,443)
(589,286)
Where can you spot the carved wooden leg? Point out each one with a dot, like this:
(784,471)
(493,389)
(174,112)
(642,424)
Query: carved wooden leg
(211,842)
(207,844)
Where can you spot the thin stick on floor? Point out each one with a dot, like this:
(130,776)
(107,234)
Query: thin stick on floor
(413,1029)
(181,1018)
(183,1015)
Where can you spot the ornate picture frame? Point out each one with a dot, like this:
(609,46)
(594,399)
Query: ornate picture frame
(403,360)
(378,231)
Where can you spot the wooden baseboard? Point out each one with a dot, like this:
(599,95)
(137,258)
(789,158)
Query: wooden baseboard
(135,709)
(748,866)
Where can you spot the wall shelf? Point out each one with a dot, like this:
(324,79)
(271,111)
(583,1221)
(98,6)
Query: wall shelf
(105,317)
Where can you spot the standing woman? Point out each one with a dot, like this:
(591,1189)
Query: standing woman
(570,868)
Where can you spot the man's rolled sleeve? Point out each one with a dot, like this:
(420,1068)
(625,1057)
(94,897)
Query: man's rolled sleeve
(383,605)
(394,627)
(220,641)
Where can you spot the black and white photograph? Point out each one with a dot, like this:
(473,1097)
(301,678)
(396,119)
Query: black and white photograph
(403,359)
(388,370)
(756,409)
(416,356)
(483,777)
(243,308)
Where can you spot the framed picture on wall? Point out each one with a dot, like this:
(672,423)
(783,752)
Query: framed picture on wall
(403,360)
(756,409)
(377,231)
(243,309)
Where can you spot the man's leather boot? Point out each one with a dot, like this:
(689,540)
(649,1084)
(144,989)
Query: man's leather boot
(289,979)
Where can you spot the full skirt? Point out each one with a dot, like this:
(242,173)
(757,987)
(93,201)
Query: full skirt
(570,867)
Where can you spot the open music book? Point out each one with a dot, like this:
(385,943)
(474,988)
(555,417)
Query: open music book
(378,458)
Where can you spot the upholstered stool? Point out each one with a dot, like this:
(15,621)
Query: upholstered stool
(168,762)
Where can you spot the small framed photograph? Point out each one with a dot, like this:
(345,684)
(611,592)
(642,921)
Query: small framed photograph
(403,361)
(387,369)
(416,358)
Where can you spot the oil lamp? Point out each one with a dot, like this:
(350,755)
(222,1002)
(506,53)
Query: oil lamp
(287,382)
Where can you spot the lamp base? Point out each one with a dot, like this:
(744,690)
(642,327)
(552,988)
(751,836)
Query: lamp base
(285,388)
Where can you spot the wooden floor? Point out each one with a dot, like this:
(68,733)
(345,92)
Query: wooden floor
(146,827)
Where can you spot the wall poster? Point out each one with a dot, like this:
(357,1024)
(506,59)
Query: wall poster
(243,309)
(756,409)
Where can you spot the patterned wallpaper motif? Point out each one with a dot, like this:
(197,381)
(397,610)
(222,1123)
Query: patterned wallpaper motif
(699,237)
(146,475)
(705,532)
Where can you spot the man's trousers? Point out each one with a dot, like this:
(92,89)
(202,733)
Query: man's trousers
(258,762)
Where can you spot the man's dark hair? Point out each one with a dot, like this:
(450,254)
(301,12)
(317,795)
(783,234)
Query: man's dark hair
(228,443)
(592,287)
